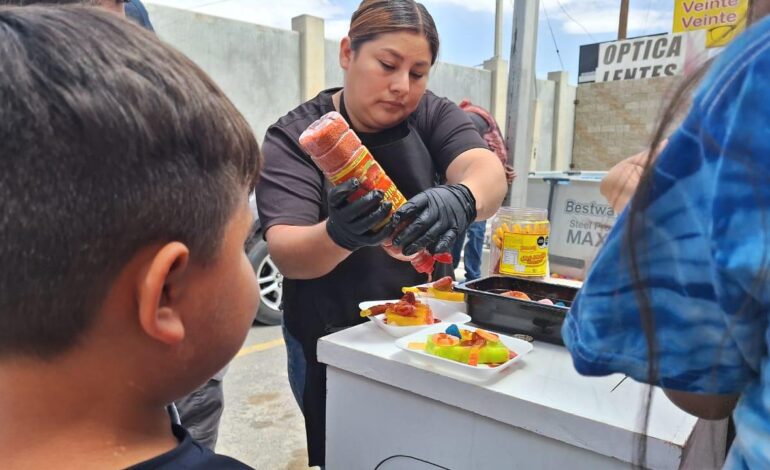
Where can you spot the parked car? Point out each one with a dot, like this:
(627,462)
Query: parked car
(269,278)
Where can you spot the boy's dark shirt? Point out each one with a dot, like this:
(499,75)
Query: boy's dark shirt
(137,12)
(189,454)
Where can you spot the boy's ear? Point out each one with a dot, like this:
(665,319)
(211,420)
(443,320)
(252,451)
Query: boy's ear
(160,286)
(346,53)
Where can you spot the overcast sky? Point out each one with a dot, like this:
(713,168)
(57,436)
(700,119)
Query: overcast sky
(466,27)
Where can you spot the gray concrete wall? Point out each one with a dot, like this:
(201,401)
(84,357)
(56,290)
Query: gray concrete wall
(259,69)
(256,66)
(453,81)
(563,162)
(498,99)
(563,124)
(334,75)
(457,82)
(550,108)
(543,129)
(312,55)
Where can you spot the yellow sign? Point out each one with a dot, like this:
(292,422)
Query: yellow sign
(722,19)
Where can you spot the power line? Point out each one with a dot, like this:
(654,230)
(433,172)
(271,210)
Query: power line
(647,15)
(192,9)
(556,46)
(574,20)
(208,4)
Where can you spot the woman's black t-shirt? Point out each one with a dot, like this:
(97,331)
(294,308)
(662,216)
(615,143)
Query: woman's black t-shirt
(292,191)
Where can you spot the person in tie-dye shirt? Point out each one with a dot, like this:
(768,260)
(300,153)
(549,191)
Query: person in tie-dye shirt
(679,295)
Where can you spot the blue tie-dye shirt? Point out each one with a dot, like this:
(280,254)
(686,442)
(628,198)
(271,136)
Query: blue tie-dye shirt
(703,248)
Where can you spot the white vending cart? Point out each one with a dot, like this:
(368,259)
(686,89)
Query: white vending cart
(386,411)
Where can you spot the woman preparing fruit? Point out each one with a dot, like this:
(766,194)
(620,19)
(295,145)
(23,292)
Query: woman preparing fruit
(324,245)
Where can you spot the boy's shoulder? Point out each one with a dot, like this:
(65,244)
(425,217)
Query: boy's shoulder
(189,454)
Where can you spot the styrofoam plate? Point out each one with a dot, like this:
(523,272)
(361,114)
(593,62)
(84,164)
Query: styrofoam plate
(479,372)
(443,311)
(455,305)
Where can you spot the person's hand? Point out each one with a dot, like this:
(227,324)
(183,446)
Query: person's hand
(434,218)
(353,225)
(620,184)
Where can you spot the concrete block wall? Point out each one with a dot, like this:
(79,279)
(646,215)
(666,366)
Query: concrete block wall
(332,70)
(563,121)
(542,142)
(614,120)
(268,71)
(457,82)
(257,67)
(453,81)
(312,60)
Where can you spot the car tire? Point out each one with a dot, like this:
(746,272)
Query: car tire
(270,284)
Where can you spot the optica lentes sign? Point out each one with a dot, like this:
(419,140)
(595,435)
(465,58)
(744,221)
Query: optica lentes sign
(663,55)
(721,19)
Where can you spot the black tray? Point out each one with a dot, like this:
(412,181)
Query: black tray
(543,322)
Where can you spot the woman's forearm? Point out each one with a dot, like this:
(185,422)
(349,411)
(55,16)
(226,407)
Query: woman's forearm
(481,172)
(620,184)
(304,252)
(704,406)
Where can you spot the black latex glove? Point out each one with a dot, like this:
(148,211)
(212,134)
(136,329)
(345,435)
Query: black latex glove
(351,224)
(434,219)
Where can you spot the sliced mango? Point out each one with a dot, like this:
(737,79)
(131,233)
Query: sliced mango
(444,295)
(487,335)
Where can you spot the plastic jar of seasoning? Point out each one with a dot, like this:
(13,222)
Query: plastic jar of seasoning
(519,244)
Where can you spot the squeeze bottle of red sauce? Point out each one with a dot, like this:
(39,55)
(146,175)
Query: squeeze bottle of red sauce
(339,153)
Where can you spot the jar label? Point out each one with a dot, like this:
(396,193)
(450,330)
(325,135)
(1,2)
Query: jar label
(524,255)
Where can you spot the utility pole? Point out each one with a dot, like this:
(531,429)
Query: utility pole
(623,21)
(521,99)
(498,69)
(499,29)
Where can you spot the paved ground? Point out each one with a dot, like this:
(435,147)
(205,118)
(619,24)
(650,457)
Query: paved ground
(262,425)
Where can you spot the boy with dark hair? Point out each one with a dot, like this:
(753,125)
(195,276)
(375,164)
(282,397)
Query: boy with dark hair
(201,410)
(115,6)
(133,9)
(124,174)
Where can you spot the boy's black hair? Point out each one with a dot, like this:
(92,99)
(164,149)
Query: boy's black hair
(109,141)
(23,3)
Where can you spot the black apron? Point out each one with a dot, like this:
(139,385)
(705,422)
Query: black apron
(316,307)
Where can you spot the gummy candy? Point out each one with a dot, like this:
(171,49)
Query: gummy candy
(454,331)
(480,352)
